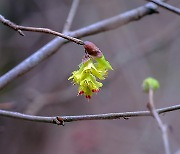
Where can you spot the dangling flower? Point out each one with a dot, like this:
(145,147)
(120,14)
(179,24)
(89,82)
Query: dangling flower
(88,71)
(89,85)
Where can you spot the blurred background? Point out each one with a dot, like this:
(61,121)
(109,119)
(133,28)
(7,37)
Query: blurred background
(148,47)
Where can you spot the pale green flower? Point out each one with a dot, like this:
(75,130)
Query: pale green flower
(86,76)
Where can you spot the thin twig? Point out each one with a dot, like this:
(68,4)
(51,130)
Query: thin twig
(71,15)
(41,30)
(52,47)
(163,127)
(166,6)
(107,116)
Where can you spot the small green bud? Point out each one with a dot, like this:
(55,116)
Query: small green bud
(150,83)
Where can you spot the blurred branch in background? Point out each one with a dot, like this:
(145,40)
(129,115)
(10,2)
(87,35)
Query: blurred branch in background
(40,100)
(52,47)
(168,34)
(7,105)
(166,6)
(62,119)
(71,15)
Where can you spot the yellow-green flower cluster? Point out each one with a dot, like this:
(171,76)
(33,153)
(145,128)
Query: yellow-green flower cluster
(86,76)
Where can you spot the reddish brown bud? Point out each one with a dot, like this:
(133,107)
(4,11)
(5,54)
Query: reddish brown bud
(88,96)
(92,49)
(81,92)
(95,90)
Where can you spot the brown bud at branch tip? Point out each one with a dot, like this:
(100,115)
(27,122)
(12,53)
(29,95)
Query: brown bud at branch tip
(92,49)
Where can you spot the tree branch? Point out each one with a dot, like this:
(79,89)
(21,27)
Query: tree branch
(52,47)
(163,127)
(166,6)
(41,30)
(71,15)
(60,120)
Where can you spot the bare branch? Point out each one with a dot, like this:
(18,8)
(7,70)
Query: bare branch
(41,30)
(71,15)
(163,127)
(63,119)
(166,6)
(52,47)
